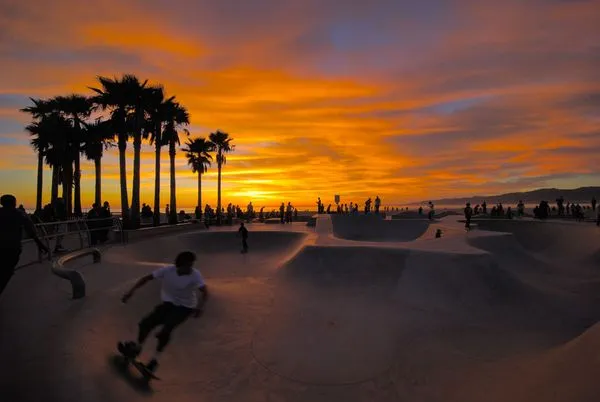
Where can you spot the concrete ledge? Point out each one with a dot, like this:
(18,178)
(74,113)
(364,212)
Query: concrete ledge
(75,277)
(145,233)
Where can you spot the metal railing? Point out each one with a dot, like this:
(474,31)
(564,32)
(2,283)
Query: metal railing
(54,232)
(75,277)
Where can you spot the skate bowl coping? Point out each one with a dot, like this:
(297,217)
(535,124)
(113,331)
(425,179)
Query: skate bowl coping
(75,277)
(375,228)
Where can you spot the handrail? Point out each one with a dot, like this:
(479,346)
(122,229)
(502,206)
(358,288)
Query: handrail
(75,277)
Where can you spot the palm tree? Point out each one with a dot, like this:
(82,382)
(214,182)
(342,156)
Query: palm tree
(116,95)
(59,155)
(158,115)
(98,137)
(142,99)
(76,108)
(199,159)
(40,142)
(222,145)
(177,116)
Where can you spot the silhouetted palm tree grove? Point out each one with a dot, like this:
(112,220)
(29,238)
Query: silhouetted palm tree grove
(66,127)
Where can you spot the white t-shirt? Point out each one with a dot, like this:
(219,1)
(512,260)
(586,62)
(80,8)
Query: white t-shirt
(179,289)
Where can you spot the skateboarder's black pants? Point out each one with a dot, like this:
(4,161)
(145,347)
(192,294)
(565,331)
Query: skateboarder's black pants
(9,258)
(244,244)
(166,314)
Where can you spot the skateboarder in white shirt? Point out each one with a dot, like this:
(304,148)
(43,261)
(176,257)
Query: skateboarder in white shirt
(179,301)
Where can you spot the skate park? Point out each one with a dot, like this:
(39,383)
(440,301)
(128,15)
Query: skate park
(506,311)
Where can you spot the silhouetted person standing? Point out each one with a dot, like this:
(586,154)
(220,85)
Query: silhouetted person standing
(12,223)
(244,233)
(560,203)
(468,215)
(520,208)
(107,221)
(282,212)
(484,208)
(594,203)
(93,223)
(288,213)
(509,213)
(377,204)
(431,211)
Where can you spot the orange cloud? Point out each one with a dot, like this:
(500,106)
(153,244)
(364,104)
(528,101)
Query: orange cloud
(323,98)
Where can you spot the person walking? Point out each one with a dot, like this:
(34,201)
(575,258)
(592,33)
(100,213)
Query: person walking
(244,233)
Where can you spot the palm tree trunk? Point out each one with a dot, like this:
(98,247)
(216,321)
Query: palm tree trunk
(54,188)
(98,166)
(156,215)
(219,192)
(77,184)
(68,187)
(199,189)
(40,182)
(173,211)
(135,193)
(123,178)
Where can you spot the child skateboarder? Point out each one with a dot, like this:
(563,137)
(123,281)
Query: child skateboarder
(244,233)
(179,301)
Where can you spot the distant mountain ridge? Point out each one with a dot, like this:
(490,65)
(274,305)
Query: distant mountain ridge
(578,195)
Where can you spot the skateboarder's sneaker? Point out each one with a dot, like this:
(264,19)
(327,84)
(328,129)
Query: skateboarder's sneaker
(152,366)
(129,349)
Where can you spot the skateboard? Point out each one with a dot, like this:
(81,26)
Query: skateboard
(140,367)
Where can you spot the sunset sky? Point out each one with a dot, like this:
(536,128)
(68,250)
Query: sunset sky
(408,100)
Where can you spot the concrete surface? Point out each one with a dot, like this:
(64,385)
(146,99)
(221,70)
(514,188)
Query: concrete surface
(309,316)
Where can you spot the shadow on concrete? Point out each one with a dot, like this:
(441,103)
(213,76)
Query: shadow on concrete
(124,370)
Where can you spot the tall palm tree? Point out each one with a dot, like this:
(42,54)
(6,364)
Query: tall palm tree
(199,158)
(40,141)
(116,95)
(76,108)
(222,144)
(53,160)
(177,116)
(98,137)
(158,110)
(142,101)
(60,154)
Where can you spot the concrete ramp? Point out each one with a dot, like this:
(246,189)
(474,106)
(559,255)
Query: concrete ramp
(462,285)
(375,228)
(570,242)
(340,313)
(470,317)
(565,373)
(332,318)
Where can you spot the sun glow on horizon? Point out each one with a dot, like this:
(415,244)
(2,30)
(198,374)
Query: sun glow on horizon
(358,99)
